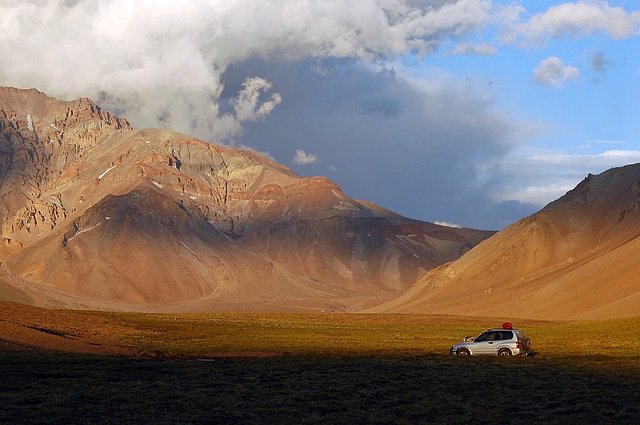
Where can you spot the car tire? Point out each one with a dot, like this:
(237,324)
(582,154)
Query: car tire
(504,352)
(462,352)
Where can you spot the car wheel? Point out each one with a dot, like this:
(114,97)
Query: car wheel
(504,352)
(462,352)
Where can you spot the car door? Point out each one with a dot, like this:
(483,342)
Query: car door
(484,344)
(504,339)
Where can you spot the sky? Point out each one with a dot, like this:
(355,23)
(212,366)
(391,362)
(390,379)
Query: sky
(470,113)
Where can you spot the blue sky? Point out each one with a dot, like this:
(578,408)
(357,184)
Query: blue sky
(470,112)
(582,118)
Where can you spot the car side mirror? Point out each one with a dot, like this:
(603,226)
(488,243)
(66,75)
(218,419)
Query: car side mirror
(468,339)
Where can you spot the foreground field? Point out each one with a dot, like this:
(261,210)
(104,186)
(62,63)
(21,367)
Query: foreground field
(355,389)
(271,368)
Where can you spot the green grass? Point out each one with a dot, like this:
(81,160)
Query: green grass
(329,369)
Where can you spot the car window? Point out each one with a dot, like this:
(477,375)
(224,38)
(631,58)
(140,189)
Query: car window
(486,336)
(506,335)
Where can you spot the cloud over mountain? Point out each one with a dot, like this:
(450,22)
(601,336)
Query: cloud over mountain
(163,63)
(348,81)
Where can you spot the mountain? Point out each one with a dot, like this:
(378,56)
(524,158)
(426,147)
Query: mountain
(96,214)
(575,259)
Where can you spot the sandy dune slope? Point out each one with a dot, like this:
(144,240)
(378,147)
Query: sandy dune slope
(575,259)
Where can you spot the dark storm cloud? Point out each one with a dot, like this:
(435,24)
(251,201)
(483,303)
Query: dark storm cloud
(383,106)
(416,150)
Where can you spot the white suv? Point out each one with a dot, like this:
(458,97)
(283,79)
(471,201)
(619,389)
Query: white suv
(504,341)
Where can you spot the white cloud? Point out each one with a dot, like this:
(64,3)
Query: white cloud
(538,195)
(476,49)
(304,158)
(592,143)
(447,224)
(608,159)
(175,64)
(574,19)
(163,63)
(247,106)
(540,176)
(552,72)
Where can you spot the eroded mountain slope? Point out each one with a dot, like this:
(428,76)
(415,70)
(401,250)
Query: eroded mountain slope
(97,214)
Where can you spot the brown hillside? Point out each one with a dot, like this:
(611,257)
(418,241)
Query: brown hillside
(576,258)
(96,214)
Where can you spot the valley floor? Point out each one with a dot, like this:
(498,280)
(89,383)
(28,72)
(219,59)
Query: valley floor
(307,368)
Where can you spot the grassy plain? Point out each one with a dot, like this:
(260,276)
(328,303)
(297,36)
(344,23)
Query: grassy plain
(310,368)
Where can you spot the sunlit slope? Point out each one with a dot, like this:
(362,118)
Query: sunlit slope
(576,258)
(96,214)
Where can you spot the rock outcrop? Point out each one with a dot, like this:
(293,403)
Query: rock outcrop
(105,216)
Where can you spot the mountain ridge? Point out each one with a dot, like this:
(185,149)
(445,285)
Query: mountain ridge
(574,259)
(94,212)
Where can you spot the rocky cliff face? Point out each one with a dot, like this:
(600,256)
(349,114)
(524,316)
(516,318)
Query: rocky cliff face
(39,139)
(110,217)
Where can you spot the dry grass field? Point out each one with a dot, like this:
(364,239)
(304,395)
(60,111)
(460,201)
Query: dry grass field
(61,366)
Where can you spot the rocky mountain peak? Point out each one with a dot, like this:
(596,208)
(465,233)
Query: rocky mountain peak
(33,113)
(111,215)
